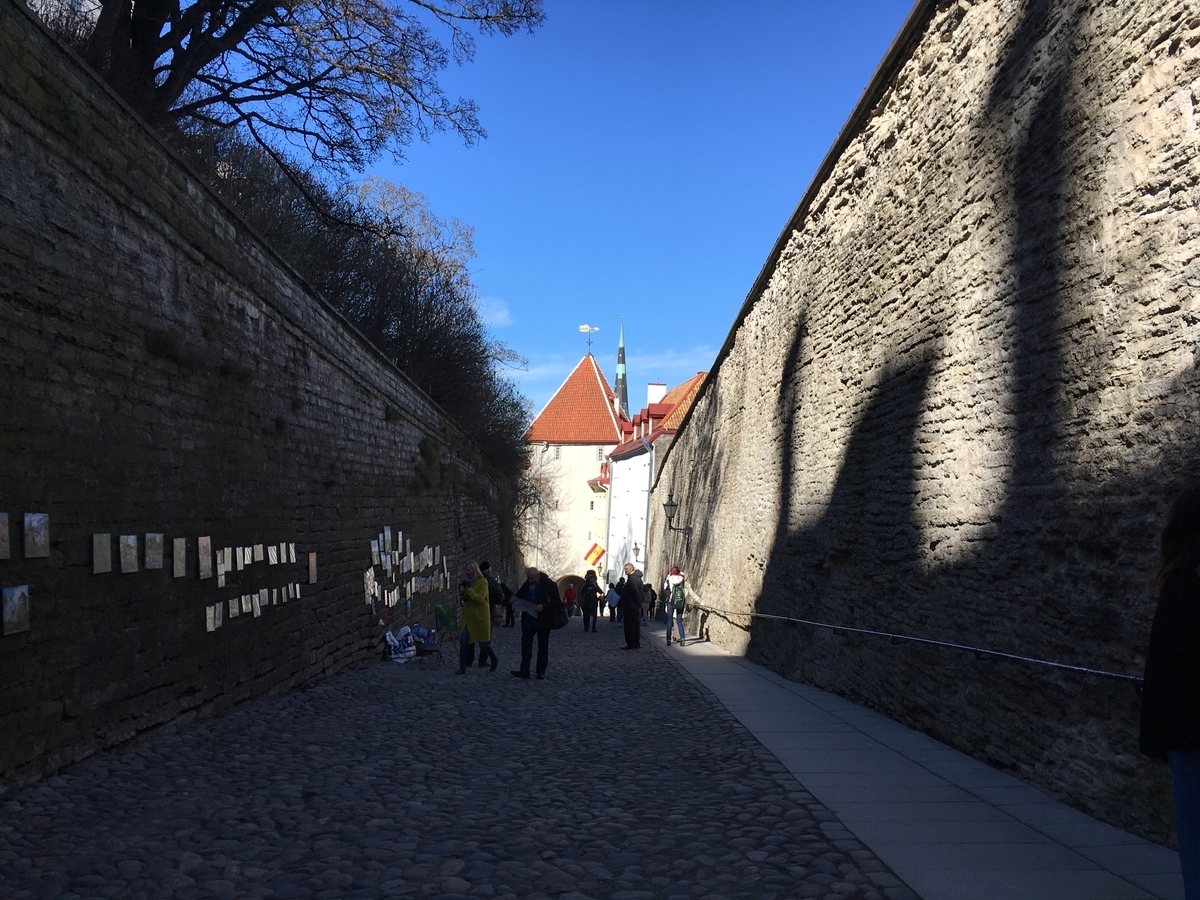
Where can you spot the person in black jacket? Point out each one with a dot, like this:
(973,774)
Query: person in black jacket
(631,607)
(540,590)
(589,599)
(1171,687)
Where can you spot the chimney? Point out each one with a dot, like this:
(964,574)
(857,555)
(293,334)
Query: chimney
(655,392)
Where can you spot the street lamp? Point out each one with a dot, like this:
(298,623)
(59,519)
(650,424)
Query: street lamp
(670,508)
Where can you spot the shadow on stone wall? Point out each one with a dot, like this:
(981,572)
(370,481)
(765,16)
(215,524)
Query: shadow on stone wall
(860,563)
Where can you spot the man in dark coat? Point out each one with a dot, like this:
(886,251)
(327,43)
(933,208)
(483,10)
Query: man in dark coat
(540,590)
(631,607)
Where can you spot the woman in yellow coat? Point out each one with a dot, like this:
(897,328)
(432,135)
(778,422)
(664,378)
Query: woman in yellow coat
(477,621)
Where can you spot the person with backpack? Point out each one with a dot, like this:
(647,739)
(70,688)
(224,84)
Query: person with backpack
(675,601)
(542,611)
(589,597)
(496,597)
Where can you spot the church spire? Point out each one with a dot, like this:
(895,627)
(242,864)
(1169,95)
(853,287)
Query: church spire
(622,388)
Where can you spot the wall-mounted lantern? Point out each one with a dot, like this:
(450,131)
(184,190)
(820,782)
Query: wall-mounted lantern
(671,508)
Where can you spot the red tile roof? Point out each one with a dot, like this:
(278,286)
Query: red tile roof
(582,410)
(682,397)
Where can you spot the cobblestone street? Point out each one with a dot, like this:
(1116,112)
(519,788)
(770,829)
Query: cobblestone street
(617,777)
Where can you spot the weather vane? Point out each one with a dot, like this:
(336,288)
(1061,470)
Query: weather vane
(588,329)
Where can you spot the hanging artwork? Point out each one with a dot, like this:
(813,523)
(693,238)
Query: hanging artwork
(221,580)
(274,596)
(37,535)
(312,567)
(16,609)
(220,612)
(128,544)
(272,555)
(154,551)
(241,560)
(5,553)
(387,538)
(369,586)
(210,618)
(437,555)
(291,552)
(258,552)
(233,608)
(101,553)
(374,553)
(179,557)
(255,605)
(282,552)
(204,550)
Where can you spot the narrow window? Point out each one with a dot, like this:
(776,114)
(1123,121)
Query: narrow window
(558,452)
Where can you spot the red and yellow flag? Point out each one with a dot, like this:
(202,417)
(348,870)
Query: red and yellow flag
(593,556)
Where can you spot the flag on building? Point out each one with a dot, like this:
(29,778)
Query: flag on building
(593,556)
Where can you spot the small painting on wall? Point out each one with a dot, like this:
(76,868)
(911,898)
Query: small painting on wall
(204,551)
(129,555)
(154,551)
(4,551)
(312,567)
(37,535)
(101,553)
(16,609)
(179,557)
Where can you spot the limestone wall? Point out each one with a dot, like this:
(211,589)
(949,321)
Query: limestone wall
(162,372)
(961,394)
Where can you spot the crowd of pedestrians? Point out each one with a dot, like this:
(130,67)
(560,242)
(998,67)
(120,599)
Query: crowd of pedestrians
(630,602)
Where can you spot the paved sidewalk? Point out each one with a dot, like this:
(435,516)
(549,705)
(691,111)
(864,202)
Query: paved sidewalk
(617,778)
(951,827)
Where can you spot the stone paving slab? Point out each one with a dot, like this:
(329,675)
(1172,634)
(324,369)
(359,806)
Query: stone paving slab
(951,827)
(618,778)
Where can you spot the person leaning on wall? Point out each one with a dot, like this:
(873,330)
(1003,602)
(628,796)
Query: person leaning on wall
(1171,686)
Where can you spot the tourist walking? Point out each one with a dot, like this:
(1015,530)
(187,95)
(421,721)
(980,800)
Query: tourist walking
(674,601)
(477,622)
(589,599)
(539,594)
(569,597)
(1171,688)
(611,599)
(620,605)
(631,607)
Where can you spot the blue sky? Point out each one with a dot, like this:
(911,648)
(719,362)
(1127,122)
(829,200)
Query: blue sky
(642,157)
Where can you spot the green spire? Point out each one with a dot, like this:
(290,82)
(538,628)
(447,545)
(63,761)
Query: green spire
(622,384)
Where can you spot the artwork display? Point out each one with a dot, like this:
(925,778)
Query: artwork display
(255,605)
(291,552)
(5,553)
(221,580)
(240,559)
(179,557)
(219,610)
(210,618)
(274,596)
(272,555)
(387,538)
(16,609)
(258,552)
(247,603)
(101,553)
(374,553)
(154,551)
(233,608)
(37,535)
(312,567)
(437,555)
(128,544)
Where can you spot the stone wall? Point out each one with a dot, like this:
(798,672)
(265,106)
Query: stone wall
(161,371)
(957,401)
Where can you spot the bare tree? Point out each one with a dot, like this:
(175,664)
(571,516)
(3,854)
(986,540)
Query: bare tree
(344,79)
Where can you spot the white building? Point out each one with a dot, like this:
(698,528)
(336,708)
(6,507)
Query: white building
(568,442)
(631,472)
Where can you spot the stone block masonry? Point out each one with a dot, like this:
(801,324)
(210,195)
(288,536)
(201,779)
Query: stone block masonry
(161,371)
(960,395)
